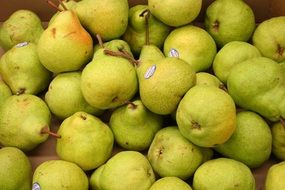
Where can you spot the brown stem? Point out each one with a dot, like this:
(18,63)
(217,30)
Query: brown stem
(282,121)
(146,13)
(62,4)
(223,87)
(122,53)
(133,105)
(100,41)
(46,130)
(49,2)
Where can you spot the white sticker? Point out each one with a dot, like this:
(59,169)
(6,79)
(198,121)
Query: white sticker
(173,53)
(150,72)
(22,44)
(36,186)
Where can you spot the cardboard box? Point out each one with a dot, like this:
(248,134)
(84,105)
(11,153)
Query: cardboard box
(263,9)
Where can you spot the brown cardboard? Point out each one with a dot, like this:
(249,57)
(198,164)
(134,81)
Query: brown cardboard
(263,9)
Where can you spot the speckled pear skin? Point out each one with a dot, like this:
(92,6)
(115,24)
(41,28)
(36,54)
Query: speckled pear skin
(22,70)
(5,92)
(22,26)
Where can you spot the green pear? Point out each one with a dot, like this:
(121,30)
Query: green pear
(278,140)
(108,18)
(141,22)
(22,70)
(84,140)
(64,96)
(108,81)
(5,92)
(22,26)
(170,183)
(231,54)
(127,170)
(15,169)
(191,44)
(273,176)
(175,13)
(223,173)
(229,20)
(171,154)
(116,45)
(24,122)
(206,116)
(164,81)
(269,39)
(258,84)
(59,175)
(251,141)
(204,78)
(94,179)
(134,126)
(65,45)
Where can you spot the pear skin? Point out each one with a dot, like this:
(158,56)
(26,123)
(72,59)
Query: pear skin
(22,70)
(85,140)
(5,92)
(170,183)
(15,169)
(59,175)
(134,126)
(206,116)
(65,45)
(22,26)
(258,84)
(273,176)
(278,140)
(24,119)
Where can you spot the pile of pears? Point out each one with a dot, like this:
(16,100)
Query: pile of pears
(145,98)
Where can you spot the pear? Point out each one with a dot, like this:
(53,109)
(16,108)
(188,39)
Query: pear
(24,122)
(64,97)
(206,116)
(223,173)
(5,92)
(85,140)
(169,183)
(108,18)
(171,154)
(15,169)
(175,13)
(251,141)
(65,45)
(127,170)
(278,140)
(94,179)
(141,24)
(59,175)
(108,81)
(269,39)
(191,44)
(204,78)
(258,84)
(22,26)
(22,70)
(134,126)
(163,80)
(231,54)
(229,20)
(273,176)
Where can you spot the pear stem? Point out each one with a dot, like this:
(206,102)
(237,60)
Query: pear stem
(122,53)
(62,4)
(45,130)
(100,41)
(146,13)
(49,2)
(223,87)
(282,121)
(133,105)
